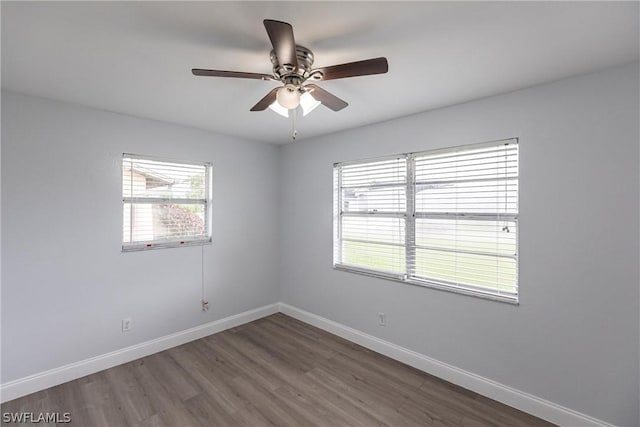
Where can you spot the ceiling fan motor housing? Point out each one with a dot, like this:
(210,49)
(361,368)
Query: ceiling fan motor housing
(305,60)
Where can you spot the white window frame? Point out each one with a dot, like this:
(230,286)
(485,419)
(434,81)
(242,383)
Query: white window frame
(178,241)
(410,216)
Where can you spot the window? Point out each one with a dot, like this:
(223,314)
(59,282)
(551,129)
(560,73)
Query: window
(445,218)
(164,203)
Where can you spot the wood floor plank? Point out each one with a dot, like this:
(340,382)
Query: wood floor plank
(347,398)
(244,363)
(101,403)
(206,374)
(172,376)
(294,351)
(275,371)
(209,412)
(130,394)
(318,409)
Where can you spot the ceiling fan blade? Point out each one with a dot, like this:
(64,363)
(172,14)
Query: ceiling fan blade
(264,103)
(354,69)
(284,45)
(326,98)
(238,74)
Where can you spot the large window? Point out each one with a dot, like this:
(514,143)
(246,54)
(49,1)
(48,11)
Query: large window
(164,203)
(445,218)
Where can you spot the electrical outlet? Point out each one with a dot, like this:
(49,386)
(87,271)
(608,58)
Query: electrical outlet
(126,324)
(382,319)
(205,305)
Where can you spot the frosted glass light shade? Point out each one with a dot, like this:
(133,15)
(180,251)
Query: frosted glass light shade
(308,103)
(277,108)
(288,97)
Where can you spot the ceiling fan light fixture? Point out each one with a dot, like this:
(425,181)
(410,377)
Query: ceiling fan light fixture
(308,103)
(288,96)
(292,65)
(277,108)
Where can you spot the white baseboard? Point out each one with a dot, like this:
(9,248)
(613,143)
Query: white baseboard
(526,402)
(40,381)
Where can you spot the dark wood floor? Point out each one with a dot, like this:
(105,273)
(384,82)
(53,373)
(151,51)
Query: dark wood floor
(274,371)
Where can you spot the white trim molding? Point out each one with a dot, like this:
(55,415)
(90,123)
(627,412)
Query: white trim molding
(525,402)
(42,380)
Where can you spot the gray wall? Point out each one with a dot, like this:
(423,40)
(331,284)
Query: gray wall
(65,283)
(573,340)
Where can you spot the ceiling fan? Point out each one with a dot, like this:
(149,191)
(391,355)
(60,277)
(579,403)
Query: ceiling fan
(292,65)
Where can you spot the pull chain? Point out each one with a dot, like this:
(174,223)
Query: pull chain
(294,132)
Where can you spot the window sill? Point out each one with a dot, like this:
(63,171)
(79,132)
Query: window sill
(164,245)
(426,284)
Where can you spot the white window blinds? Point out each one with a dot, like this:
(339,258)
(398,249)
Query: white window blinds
(372,205)
(444,218)
(164,203)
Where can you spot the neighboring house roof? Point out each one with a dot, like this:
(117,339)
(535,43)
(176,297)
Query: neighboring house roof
(154,179)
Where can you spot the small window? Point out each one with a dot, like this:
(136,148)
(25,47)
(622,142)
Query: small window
(445,219)
(165,203)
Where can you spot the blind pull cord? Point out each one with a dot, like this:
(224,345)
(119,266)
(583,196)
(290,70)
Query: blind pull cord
(203,301)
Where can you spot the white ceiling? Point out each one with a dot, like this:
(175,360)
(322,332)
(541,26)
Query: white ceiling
(135,57)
